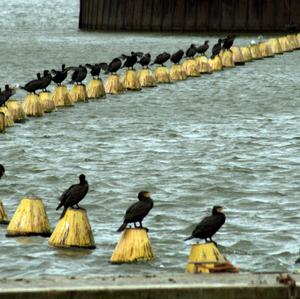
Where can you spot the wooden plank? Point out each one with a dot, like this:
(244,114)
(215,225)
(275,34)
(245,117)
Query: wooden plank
(167,15)
(137,15)
(295,12)
(268,16)
(128,14)
(113,14)
(99,20)
(240,14)
(254,15)
(156,20)
(202,18)
(215,16)
(93,14)
(178,15)
(227,15)
(121,12)
(106,15)
(281,14)
(147,15)
(190,15)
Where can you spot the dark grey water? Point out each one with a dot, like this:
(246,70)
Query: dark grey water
(231,138)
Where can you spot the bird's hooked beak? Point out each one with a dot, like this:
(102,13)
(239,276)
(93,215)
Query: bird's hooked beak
(220,209)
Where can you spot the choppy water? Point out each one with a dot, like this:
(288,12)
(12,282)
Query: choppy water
(231,138)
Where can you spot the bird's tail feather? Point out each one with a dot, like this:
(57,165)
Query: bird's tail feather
(122,227)
(189,238)
(63,213)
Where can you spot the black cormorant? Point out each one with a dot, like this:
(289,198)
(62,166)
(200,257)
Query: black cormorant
(79,74)
(45,80)
(72,196)
(145,60)
(33,85)
(177,56)
(60,76)
(216,49)
(131,60)
(203,48)
(6,94)
(114,66)
(161,58)
(138,211)
(96,69)
(2,171)
(228,41)
(209,225)
(191,51)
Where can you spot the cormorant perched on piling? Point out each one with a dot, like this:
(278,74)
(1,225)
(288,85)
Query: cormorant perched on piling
(145,60)
(114,66)
(228,41)
(161,58)
(33,85)
(177,56)
(138,211)
(2,171)
(79,74)
(96,68)
(203,48)
(72,196)
(209,225)
(216,48)
(6,94)
(60,76)
(45,80)
(191,51)
(131,60)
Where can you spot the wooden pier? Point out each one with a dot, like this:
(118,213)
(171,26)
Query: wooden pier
(188,15)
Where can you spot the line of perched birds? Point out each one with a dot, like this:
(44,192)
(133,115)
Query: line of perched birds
(124,61)
(71,197)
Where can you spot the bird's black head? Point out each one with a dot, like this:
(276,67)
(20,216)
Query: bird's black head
(220,40)
(38,75)
(7,87)
(143,195)
(46,72)
(206,42)
(193,46)
(217,209)
(2,170)
(63,66)
(82,178)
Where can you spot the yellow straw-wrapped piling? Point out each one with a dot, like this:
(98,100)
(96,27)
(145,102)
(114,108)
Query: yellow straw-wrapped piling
(95,89)
(206,258)
(275,45)
(227,59)
(162,75)
(78,93)
(284,43)
(146,78)
(16,110)
(2,122)
(292,41)
(113,85)
(216,63)
(237,56)
(30,219)
(133,246)
(298,39)
(255,52)
(203,65)
(47,101)
(190,67)
(9,121)
(246,54)
(265,49)
(32,105)
(177,73)
(73,230)
(61,97)
(3,216)
(130,80)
